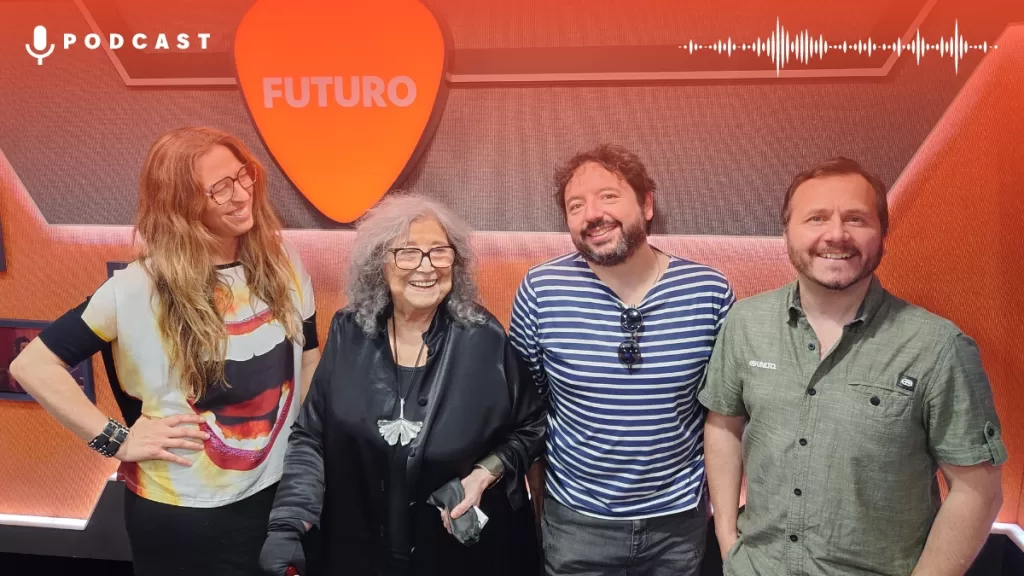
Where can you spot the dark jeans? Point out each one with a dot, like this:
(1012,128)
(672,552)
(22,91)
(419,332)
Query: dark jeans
(176,540)
(579,545)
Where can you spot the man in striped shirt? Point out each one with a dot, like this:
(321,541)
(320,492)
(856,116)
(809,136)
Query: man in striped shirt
(618,335)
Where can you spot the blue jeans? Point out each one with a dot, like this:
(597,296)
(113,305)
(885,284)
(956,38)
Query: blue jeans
(579,545)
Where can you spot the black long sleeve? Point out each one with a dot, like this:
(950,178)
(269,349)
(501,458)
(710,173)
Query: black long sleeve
(300,494)
(525,441)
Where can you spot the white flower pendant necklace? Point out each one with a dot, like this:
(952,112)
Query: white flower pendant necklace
(401,430)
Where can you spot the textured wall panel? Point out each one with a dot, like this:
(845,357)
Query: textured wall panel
(722,153)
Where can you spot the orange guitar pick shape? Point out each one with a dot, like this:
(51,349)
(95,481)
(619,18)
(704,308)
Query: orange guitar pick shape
(345,93)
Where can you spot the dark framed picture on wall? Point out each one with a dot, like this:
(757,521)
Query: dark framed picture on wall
(14,336)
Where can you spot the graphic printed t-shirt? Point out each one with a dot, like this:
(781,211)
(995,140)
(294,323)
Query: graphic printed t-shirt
(248,421)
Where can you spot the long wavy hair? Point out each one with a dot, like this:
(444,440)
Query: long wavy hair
(387,225)
(177,252)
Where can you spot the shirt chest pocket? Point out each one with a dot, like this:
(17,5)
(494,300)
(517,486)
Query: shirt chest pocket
(883,424)
(880,403)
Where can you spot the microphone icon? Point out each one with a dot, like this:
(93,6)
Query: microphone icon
(39,43)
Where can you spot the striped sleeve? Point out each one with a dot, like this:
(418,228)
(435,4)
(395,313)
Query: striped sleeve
(523,333)
(721,390)
(728,299)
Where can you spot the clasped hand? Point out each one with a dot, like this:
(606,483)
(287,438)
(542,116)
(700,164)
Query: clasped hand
(473,486)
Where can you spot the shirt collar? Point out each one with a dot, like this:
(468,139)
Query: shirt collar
(873,301)
(438,325)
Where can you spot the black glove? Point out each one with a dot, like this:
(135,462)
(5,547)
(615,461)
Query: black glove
(465,528)
(283,548)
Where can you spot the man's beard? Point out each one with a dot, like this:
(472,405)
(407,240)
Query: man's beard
(804,264)
(630,238)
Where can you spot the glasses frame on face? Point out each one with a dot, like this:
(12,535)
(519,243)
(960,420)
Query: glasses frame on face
(423,254)
(632,321)
(248,170)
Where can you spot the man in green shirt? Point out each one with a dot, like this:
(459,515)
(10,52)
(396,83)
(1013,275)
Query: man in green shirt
(841,402)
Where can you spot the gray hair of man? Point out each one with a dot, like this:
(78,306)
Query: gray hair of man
(387,225)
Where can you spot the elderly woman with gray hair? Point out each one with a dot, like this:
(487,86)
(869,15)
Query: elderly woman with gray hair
(421,422)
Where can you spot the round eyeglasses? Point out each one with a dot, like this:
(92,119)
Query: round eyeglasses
(632,321)
(411,258)
(224,189)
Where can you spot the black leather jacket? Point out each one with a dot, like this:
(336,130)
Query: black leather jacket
(481,400)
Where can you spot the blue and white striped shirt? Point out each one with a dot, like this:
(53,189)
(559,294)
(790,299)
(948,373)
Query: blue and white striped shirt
(622,444)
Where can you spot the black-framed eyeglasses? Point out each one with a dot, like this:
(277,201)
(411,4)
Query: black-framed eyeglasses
(411,258)
(224,189)
(632,322)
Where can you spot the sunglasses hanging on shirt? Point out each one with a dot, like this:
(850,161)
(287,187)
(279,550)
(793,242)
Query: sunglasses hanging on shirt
(632,322)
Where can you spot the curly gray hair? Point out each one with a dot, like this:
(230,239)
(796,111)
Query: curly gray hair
(379,230)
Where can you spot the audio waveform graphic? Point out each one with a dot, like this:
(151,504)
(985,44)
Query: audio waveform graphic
(783,45)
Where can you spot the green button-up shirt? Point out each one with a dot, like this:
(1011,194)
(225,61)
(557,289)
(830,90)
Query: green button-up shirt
(841,453)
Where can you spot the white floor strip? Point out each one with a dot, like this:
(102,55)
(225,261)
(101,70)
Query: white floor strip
(1014,532)
(43,522)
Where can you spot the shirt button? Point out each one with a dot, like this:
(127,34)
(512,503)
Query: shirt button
(875,401)
(991,432)
(793,537)
(803,441)
(811,346)
(798,492)
(423,401)
(812,391)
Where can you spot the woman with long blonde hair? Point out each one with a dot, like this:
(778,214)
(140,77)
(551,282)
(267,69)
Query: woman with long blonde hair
(209,339)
